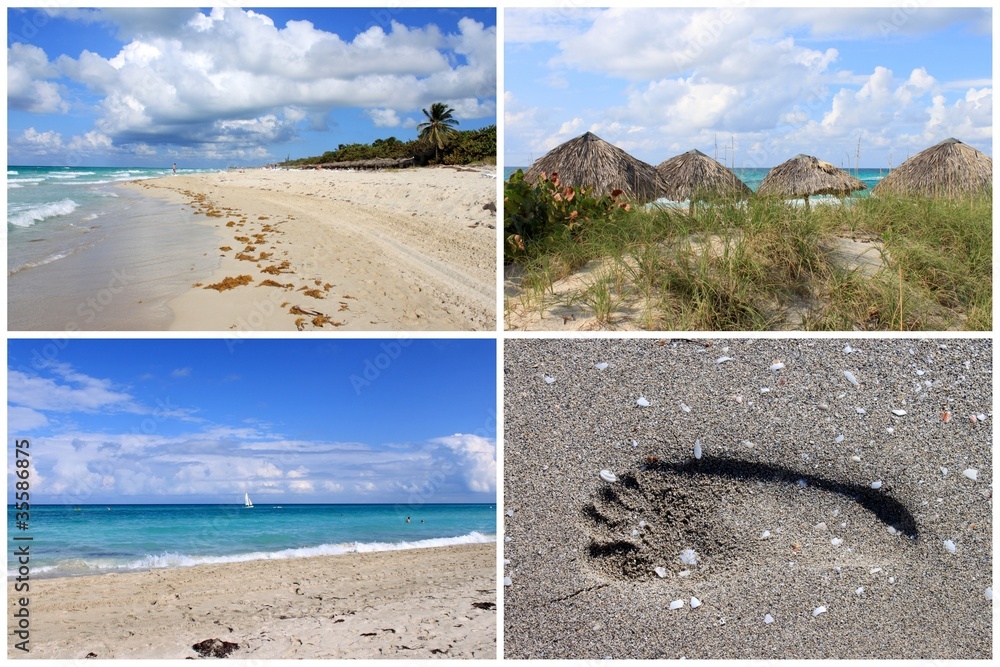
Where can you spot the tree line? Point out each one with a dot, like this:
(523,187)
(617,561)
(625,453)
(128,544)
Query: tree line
(439,142)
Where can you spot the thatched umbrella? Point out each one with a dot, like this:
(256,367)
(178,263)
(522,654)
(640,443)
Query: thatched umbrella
(694,175)
(949,169)
(805,175)
(589,161)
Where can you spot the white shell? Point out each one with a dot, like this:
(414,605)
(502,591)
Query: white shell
(642,524)
(950,546)
(855,458)
(689,557)
(601,366)
(684,573)
(899,413)
(850,378)
(989,593)
(971,473)
(506,539)
(695,603)
(848,349)
(676,604)
(506,561)
(766,534)
(839,439)
(510,512)
(507,581)
(642,402)
(722,360)
(635,532)
(660,571)
(697,449)
(768,618)
(608,476)
(861,411)
(859,590)
(836,541)
(877,484)
(944,471)
(549,379)
(685,407)
(777,366)
(819,610)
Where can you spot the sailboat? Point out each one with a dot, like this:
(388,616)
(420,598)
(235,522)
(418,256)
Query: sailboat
(246,500)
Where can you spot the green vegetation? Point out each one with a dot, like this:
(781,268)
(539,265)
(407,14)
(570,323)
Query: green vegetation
(753,266)
(439,143)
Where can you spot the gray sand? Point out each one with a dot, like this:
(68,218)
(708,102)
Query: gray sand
(581,565)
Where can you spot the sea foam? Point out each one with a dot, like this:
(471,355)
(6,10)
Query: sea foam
(30,216)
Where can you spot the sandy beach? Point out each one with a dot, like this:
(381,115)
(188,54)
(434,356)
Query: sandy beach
(417,603)
(824,519)
(412,249)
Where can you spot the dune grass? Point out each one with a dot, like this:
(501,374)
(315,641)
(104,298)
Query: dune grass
(765,265)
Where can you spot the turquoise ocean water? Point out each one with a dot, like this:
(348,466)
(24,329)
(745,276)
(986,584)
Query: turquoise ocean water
(71,540)
(72,236)
(754,177)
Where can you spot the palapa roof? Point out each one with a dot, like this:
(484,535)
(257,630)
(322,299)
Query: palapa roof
(948,169)
(590,162)
(694,175)
(805,175)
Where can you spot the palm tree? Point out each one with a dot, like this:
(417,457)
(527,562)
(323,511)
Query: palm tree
(439,126)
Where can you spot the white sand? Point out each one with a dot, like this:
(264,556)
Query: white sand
(413,249)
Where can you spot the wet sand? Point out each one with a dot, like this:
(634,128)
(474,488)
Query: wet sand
(413,249)
(416,603)
(779,511)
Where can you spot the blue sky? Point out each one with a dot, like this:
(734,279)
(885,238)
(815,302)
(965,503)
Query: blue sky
(228,86)
(287,420)
(772,82)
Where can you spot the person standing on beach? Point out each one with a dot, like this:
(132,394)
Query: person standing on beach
(175,168)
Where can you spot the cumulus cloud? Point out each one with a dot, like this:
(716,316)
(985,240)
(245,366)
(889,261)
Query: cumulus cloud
(233,80)
(476,457)
(28,84)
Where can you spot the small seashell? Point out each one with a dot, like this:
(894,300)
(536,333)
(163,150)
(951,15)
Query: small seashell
(697,449)
(848,349)
(766,534)
(635,443)
(549,379)
(946,416)
(722,360)
(859,590)
(676,604)
(507,581)
(920,372)
(890,430)
(981,417)
(642,402)
(768,618)
(944,471)
(821,526)
(506,539)
(642,524)
(510,512)
(685,407)
(506,561)
(989,593)
(892,580)
(660,571)
(689,557)
(874,570)
(608,476)
(634,532)
(971,473)
(802,483)
(684,573)
(819,610)
(855,458)
(836,541)
(892,530)
(861,411)
(601,366)
(777,366)
(695,603)
(850,378)
(877,484)
(899,413)
(765,390)
(950,546)
(839,439)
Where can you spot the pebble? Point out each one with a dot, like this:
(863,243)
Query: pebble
(768,618)
(676,604)
(608,476)
(642,402)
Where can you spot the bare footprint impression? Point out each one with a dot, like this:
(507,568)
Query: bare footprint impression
(747,498)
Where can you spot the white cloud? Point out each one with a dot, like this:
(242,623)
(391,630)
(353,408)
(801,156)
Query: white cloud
(75,391)
(476,457)
(28,89)
(21,419)
(383,117)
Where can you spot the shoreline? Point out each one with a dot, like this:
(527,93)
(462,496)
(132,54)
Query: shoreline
(413,249)
(409,603)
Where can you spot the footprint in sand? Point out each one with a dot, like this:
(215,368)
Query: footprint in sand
(640,524)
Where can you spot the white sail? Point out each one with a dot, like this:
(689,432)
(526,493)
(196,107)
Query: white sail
(246,500)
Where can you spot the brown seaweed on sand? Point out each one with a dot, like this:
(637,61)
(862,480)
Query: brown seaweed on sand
(230,283)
